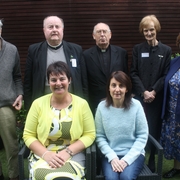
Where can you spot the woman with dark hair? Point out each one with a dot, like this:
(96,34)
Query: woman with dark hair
(59,126)
(170,135)
(121,130)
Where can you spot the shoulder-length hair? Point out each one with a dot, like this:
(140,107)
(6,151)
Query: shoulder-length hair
(147,20)
(123,78)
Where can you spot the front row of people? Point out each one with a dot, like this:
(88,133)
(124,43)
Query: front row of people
(60,125)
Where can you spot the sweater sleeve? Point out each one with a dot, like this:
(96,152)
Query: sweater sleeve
(101,139)
(17,75)
(30,133)
(88,126)
(141,136)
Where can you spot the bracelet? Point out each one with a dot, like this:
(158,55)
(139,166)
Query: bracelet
(44,154)
(69,151)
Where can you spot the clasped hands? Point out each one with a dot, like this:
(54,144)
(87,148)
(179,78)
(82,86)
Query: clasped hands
(56,160)
(118,165)
(149,96)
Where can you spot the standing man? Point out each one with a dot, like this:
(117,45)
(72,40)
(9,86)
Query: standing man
(11,95)
(100,61)
(40,55)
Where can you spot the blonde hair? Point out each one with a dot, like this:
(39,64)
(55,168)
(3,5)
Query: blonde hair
(147,20)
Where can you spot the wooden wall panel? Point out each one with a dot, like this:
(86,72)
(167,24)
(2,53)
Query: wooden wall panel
(23,21)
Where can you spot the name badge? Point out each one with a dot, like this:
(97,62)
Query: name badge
(144,54)
(74,63)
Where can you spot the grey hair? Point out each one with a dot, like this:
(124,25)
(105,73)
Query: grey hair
(101,23)
(1,24)
(53,16)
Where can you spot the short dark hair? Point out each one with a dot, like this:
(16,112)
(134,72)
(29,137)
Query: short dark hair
(123,78)
(58,67)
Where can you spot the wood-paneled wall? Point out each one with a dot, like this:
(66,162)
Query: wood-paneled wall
(23,21)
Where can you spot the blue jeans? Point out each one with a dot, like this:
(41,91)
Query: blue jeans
(131,172)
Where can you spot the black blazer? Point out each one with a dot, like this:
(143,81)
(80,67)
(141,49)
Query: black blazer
(149,67)
(35,70)
(95,79)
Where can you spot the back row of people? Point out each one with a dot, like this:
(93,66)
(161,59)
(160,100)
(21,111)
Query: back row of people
(91,69)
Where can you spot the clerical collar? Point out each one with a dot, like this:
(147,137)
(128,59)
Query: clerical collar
(103,50)
(55,47)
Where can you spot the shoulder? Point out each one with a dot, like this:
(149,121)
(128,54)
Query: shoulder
(175,60)
(137,46)
(90,50)
(118,48)
(78,100)
(102,105)
(9,45)
(37,45)
(43,99)
(135,104)
(164,46)
(72,45)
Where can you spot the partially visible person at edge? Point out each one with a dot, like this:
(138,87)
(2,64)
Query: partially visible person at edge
(170,134)
(150,64)
(11,96)
(100,61)
(59,127)
(40,55)
(121,130)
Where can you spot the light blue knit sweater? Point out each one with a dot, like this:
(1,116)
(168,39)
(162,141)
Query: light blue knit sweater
(121,132)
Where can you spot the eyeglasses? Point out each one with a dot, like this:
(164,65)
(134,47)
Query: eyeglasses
(102,31)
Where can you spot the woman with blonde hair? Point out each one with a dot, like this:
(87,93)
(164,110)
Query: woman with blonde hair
(150,64)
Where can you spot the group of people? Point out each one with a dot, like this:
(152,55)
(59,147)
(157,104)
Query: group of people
(75,97)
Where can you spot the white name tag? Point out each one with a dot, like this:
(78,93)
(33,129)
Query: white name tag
(144,54)
(74,63)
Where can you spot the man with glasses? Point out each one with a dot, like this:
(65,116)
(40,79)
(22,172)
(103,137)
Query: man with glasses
(100,61)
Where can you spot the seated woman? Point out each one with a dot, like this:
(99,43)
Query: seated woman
(59,126)
(121,130)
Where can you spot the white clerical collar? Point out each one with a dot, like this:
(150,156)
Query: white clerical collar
(55,47)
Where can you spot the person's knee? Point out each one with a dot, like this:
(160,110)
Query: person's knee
(109,174)
(108,177)
(125,176)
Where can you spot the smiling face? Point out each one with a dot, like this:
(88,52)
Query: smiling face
(53,30)
(59,83)
(102,35)
(117,90)
(150,32)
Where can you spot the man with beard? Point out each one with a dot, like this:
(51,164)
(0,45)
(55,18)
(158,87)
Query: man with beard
(100,61)
(40,55)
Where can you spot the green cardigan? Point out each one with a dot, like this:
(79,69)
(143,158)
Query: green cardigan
(40,117)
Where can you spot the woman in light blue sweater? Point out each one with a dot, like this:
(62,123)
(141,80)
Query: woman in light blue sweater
(121,130)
